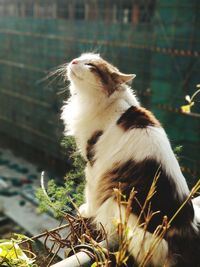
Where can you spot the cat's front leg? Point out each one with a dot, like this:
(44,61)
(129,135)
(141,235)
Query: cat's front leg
(84,210)
(87,209)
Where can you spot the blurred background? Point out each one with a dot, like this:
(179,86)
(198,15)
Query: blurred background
(159,40)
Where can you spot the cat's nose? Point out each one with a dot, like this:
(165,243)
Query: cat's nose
(74,61)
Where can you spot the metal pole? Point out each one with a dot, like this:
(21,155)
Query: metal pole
(79,259)
(82,258)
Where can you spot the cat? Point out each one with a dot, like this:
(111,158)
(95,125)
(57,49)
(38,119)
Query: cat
(124,144)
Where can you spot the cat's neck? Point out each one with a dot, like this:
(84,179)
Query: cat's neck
(91,103)
(85,114)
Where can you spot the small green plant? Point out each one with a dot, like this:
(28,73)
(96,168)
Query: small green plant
(13,256)
(178,151)
(59,198)
(81,232)
(190,100)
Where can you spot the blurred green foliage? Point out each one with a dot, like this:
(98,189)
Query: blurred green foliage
(64,198)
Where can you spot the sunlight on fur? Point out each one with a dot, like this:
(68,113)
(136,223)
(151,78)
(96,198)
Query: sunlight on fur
(123,143)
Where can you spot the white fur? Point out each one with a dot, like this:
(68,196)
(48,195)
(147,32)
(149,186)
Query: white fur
(89,109)
(196,205)
(140,242)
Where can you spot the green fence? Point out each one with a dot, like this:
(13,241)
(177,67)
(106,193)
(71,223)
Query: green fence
(157,40)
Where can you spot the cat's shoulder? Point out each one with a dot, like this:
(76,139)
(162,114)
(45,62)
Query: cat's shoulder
(137,117)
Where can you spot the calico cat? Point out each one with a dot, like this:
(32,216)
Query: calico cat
(123,143)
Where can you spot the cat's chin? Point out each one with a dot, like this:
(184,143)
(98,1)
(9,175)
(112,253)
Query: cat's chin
(73,76)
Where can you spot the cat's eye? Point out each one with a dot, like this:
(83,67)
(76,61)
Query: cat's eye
(91,65)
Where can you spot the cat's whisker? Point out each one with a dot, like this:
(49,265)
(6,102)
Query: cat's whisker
(58,71)
(50,82)
(62,90)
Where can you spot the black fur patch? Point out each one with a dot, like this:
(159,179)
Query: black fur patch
(184,247)
(90,146)
(137,117)
(140,176)
(184,242)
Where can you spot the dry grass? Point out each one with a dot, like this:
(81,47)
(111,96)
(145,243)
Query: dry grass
(83,232)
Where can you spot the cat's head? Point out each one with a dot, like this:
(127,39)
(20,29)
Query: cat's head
(91,72)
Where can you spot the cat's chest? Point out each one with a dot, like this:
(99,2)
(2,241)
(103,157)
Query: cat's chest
(95,135)
(98,135)
(102,148)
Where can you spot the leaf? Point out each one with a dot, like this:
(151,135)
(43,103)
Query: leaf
(14,255)
(187,108)
(96,264)
(11,250)
(4,240)
(19,237)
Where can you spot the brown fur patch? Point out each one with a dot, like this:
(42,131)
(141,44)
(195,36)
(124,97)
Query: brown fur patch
(90,146)
(137,117)
(140,177)
(103,70)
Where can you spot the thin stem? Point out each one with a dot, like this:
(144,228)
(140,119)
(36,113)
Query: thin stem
(44,233)
(195,93)
(193,191)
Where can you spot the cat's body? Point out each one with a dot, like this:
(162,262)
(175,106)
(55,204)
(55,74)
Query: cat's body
(124,144)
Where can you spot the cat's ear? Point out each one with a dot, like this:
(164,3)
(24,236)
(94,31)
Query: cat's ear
(122,77)
(126,77)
